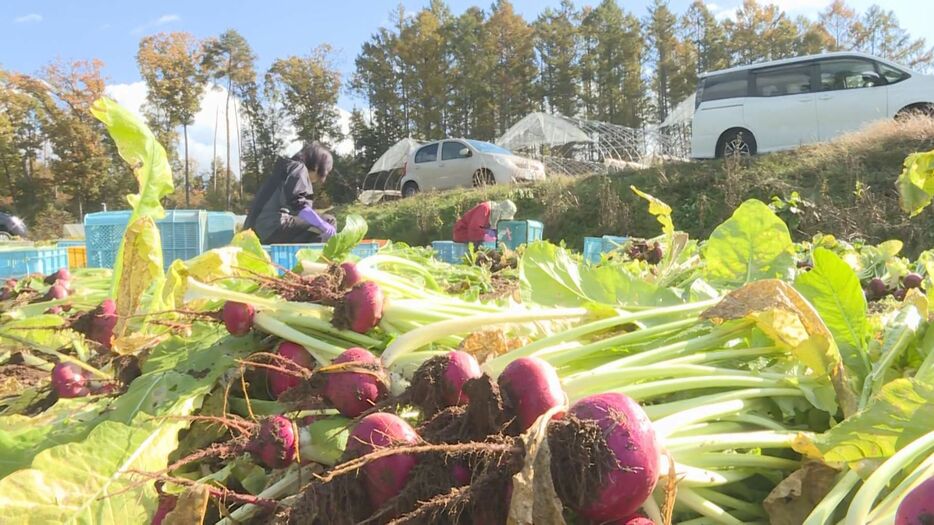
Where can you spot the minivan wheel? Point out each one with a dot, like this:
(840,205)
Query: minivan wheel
(410,189)
(483,178)
(916,110)
(736,143)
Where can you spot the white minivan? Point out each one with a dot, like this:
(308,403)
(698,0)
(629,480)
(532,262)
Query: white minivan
(782,104)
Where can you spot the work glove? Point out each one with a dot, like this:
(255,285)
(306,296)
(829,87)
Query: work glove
(315,220)
(489,235)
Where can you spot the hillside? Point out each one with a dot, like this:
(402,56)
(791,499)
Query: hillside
(849,181)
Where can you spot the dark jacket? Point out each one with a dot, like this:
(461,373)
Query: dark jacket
(285,192)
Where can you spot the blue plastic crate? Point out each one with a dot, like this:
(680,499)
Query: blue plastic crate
(18,262)
(221,228)
(365,249)
(285,255)
(66,243)
(516,233)
(454,252)
(183,234)
(595,247)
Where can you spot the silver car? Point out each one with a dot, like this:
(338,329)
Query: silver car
(462,163)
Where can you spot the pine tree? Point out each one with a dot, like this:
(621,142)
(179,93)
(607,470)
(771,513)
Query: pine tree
(422,48)
(707,36)
(879,33)
(556,43)
(660,31)
(470,100)
(838,20)
(509,44)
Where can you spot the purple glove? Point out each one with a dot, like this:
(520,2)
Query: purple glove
(316,222)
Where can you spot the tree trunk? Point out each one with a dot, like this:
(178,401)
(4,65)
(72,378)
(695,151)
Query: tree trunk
(256,161)
(227,130)
(187,178)
(214,153)
(239,153)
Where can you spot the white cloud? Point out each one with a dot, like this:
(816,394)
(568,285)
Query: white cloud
(165,19)
(201,134)
(25,19)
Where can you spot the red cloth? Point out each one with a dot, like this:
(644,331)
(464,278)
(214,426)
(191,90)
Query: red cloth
(473,225)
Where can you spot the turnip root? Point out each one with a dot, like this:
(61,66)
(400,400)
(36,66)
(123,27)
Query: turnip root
(56,292)
(167,504)
(62,275)
(352,392)
(877,288)
(351,275)
(361,308)
(70,380)
(607,441)
(461,367)
(274,445)
(238,318)
(280,381)
(530,387)
(383,478)
(918,506)
(98,324)
(912,280)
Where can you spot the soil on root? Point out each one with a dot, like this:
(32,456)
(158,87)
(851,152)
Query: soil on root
(479,419)
(15,378)
(321,289)
(580,459)
(503,287)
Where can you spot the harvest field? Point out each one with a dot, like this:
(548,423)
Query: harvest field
(742,378)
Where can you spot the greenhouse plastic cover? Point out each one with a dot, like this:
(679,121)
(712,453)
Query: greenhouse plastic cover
(538,129)
(395,156)
(681,114)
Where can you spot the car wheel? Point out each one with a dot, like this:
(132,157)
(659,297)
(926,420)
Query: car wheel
(410,189)
(917,110)
(736,143)
(483,177)
(5,236)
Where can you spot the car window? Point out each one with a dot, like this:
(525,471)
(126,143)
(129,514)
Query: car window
(848,73)
(452,150)
(728,85)
(428,153)
(891,74)
(779,81)
(486,147)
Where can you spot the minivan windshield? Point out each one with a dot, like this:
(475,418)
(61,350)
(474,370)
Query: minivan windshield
(486,147)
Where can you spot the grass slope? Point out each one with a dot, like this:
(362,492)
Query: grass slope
(851,182)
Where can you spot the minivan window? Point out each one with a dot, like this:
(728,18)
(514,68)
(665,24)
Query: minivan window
(452,150)
(727,85)
(779,81)
(848,73)
(428,153)
(891,74)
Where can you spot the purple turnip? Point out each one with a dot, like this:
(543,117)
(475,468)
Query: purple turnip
(361,308)
(238,318)
(917,508)
(460,368)
(877,288)
(274,444)
(58,291)
(899,294)
(912,280)
(636,519)
(530,387)
(352,391)
(351,275)
(460,473)
(630,477)
(62,275)
(55,310)
(7,293)
(70,380)
(98,324)
(278,381)
(383,478)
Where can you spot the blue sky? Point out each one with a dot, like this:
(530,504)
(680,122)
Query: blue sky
(34,33)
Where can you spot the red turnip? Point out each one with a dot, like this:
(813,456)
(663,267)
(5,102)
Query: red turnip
(55,310)
(877,288)
(352,391)
(628,479)
(383,478)
(62,275)
(912,280)
(361,308)
(238,318)
(636,519)
(460,473)
(899,294)
(530,387)
(917,508)
(278,381)
(460,368)
(351,275)
(70,380)
(57,291)
(274,444)
(98,324)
